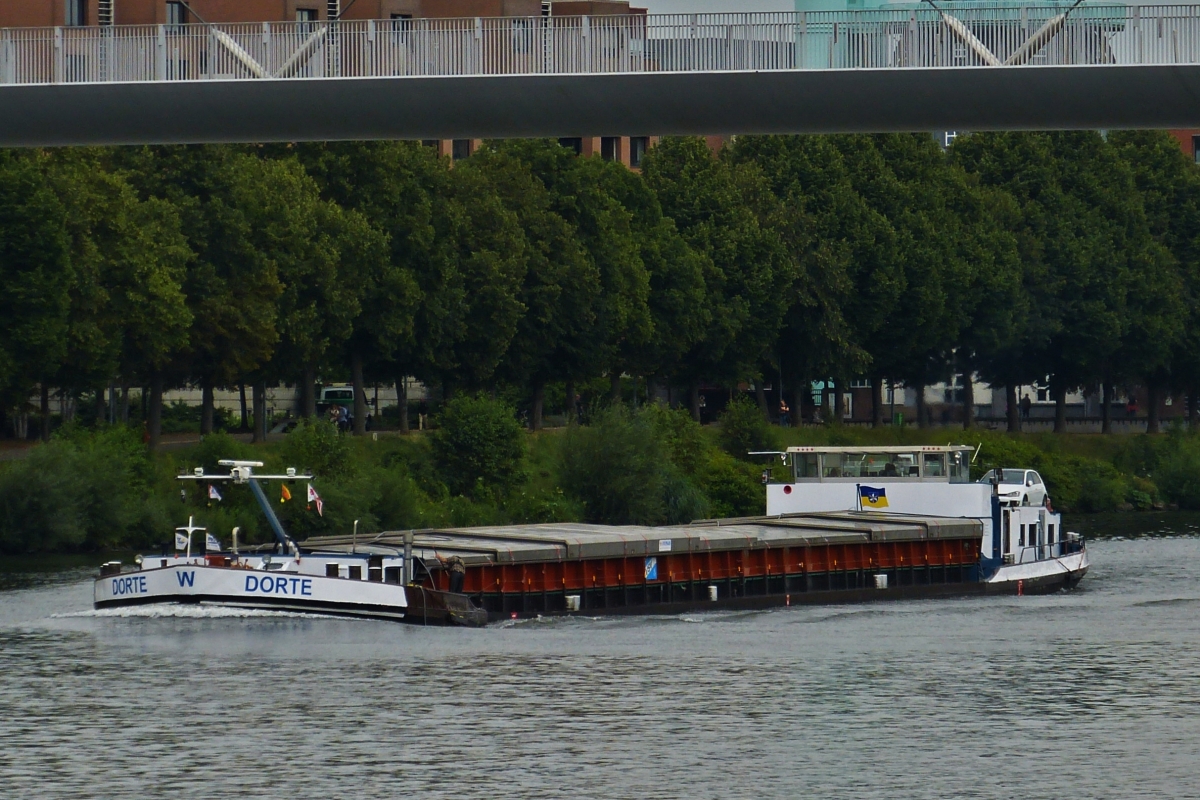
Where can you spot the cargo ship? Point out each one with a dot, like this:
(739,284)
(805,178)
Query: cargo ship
(842,525)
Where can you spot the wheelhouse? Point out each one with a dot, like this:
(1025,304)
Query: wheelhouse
(932,463)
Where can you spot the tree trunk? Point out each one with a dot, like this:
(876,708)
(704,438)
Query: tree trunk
(45,412)
(760,394)
(569,402)
(1106,393)
(968,401)
(919,390)
(206,407)
(1193,411)
(614,386)
(260,411)
(798,404)
(308,393)
(360,394)
(1013,410)
(1060,409)
(123,410)
(154,414)
(101,407)
(539,404)
(839,403)
(402,402)
(245,426)
(876,402)
(694,400)
(1152,403)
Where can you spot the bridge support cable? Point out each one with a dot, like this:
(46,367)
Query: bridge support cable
(967,37)
(1041,37)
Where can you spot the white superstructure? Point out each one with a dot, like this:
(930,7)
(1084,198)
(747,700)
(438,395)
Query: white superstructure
(1024,545)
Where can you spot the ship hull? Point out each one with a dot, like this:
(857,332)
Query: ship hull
(252,589)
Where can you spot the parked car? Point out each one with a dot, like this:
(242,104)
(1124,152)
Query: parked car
(1018,487)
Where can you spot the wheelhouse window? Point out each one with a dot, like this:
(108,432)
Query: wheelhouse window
(806,465)
(934,465)
(75,15)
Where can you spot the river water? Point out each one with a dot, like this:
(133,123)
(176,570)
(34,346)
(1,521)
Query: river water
(1092,693)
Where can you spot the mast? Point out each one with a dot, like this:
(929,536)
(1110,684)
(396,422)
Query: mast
(242,472)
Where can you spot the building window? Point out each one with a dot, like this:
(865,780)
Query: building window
(545,9)
(306,15)
(610,148)
(460,149)
(638,145)
(571,143)
(176,14)
(948,138)
(1196,148)
(76,14)
(333,9)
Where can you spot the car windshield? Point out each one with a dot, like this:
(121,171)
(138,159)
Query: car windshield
(1006,476)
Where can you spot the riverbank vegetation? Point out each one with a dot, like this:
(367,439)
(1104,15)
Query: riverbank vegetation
(527,270)
(104,490)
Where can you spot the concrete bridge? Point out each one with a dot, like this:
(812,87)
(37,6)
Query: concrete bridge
(918,68)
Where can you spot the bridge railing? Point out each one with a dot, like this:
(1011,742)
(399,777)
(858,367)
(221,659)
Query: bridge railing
(894,38)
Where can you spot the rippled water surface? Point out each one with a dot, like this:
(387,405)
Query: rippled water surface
(1088,694)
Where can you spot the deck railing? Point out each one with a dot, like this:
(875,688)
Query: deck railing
(924,37)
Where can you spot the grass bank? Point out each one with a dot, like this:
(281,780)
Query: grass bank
(100,490)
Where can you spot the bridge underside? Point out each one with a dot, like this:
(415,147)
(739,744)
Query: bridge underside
(795,101)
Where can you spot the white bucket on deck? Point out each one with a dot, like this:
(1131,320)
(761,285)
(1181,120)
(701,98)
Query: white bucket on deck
(712,592)
(881,581)
(572,602)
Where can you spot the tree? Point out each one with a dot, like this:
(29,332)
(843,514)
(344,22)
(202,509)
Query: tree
(561,288)
(1163,302)
(747,274)
(36,271)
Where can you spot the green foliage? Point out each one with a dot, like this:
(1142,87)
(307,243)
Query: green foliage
(318,446)
(744,428)
(479,447)
(615,469)
(734,488)
(90,491)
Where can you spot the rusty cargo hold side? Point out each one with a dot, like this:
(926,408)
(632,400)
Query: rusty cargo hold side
(563,568)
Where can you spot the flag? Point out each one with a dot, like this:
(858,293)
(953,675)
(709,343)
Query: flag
(213,494)
(870,497)
(313,497)
(181,541)
(285,495)
(211,544)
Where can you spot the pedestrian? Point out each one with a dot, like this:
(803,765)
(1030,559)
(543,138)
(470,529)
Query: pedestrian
(1026,404)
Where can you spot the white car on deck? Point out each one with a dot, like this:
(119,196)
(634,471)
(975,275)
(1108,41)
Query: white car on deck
(1018,487)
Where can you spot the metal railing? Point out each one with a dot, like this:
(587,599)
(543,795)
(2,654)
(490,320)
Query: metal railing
(887,39)
(1071,543)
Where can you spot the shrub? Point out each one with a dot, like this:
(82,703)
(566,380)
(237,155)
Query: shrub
(1178,477)
(316,444)
(734,488)
(682,437)
(744,428)
(479,447)
(615,468)
(82,491)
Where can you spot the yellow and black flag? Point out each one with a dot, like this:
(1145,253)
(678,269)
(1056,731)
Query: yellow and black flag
(285,495)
